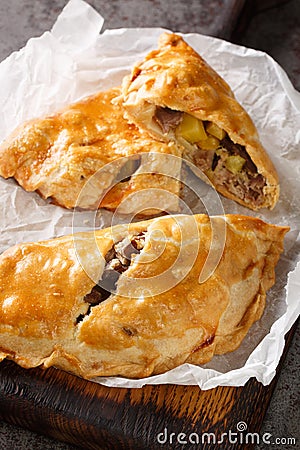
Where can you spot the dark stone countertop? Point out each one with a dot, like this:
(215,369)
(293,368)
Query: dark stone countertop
(275,30)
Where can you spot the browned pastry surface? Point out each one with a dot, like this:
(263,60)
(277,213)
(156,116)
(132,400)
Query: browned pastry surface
(174,80)
(58,154)
(52,312)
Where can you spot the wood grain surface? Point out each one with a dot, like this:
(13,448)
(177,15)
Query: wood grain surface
(92,416)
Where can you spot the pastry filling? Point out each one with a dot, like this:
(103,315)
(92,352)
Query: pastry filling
(118,260)
(224,162)
(129,169)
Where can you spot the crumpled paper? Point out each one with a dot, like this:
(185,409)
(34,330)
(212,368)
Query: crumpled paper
(74,60)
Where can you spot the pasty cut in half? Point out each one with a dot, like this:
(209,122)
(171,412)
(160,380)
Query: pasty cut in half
(78,154)
(175,95)
(127,300)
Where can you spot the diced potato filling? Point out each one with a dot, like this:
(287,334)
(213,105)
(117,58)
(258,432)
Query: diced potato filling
(215,130)
(235,163)
(207,136)
(210,143)
(191,129)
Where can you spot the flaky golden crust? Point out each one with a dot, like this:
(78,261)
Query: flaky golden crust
(144,328)
(58,154)
(175,76)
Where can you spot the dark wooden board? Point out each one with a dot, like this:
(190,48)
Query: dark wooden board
(92,416)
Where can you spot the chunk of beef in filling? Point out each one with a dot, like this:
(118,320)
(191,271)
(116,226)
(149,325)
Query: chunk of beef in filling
(168,119)
(231,166)
(128,169)
(117,262)
(119,258)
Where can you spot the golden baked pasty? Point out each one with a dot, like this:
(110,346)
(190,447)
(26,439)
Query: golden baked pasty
(175,95)
(76,155)
(148,313)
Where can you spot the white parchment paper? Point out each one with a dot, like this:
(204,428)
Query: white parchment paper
(74,60)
